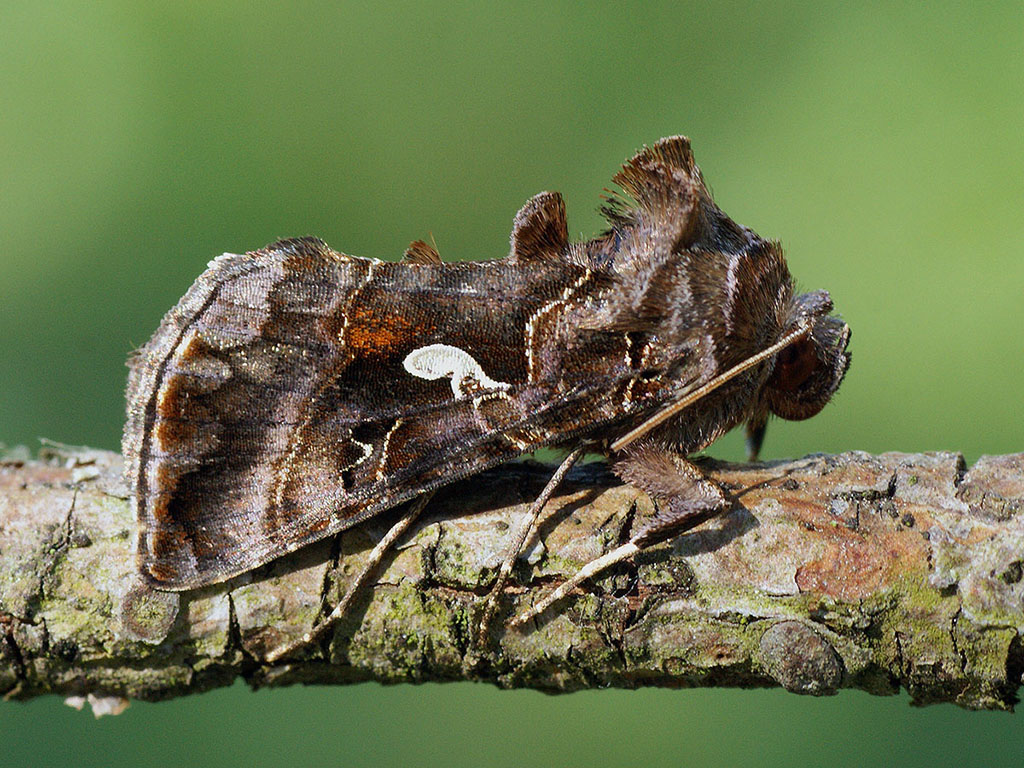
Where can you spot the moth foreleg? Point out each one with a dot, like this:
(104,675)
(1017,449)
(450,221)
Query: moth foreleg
(683,496)
(376,555)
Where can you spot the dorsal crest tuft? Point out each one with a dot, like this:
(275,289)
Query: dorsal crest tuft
(540,230)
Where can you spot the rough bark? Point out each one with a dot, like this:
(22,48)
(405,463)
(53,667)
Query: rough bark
(829,572)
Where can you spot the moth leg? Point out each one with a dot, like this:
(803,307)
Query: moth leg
(756,428)
(684,498)
(376,555)
(683,495)
(526,529)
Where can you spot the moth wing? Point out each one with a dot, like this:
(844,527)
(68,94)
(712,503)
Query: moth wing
(295,391)
(209,401)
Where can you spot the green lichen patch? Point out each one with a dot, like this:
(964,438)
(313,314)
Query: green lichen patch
(406,634)
(565,650)
(686,648)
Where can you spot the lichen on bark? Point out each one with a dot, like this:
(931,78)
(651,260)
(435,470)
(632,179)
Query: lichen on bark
(828,572)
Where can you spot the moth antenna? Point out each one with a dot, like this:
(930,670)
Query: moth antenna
(691,396)
(592,568)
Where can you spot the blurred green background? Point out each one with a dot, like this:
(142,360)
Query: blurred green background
(881,142)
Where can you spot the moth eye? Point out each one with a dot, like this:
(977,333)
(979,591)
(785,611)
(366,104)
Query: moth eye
(794,366)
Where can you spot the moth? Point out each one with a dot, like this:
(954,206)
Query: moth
(295,391)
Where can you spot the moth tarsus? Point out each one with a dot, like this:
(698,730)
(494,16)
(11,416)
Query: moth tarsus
(296,391)
(373,560)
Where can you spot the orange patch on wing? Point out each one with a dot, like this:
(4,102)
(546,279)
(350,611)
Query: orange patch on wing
(370,333)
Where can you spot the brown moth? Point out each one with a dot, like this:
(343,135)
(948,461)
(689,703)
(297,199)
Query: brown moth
(295,391)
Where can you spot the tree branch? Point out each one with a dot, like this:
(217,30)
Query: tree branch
(829,572)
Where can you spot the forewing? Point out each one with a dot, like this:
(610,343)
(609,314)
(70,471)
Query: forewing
(295,391)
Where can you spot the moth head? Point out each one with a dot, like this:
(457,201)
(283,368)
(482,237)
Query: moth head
(808,372)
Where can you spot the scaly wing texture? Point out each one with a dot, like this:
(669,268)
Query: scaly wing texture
(295,391)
